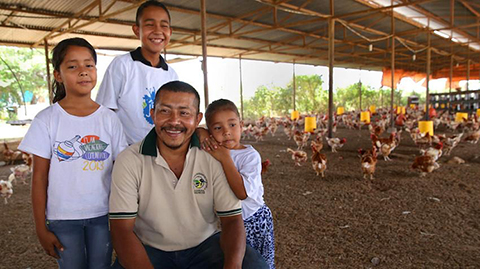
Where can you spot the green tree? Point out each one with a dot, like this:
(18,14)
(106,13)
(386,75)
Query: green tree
(21,69)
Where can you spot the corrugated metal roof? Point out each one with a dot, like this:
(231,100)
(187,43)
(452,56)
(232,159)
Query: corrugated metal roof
(281,31)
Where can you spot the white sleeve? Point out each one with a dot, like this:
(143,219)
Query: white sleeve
(175,76)
(37,140)
(250,169)
(119,140)
(112,84)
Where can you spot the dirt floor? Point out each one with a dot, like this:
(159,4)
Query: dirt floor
(399,220)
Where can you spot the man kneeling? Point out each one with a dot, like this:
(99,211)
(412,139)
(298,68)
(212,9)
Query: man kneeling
(166,195)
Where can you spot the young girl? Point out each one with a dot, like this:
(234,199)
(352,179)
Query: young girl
(74,143)
(242,166)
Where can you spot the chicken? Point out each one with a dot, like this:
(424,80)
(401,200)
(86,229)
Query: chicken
(247,131)
(298,138)
(421,140)
(319,161)
(425,163)
(336,143)
(265,166)
(9,155)
(317,144)
(434,152)
(298,156)
(449,143)
(472,137)
(384,145)
(376,129)
(368,159)
(27,159)
(272,127)
(259,133)
(6,189)
(21,172)
(289,130)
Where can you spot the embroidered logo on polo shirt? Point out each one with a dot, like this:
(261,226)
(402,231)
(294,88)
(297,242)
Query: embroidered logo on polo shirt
(199,183)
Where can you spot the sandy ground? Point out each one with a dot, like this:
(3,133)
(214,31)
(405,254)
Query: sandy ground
(343,221)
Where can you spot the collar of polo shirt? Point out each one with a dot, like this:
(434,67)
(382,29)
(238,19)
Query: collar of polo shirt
(137,56)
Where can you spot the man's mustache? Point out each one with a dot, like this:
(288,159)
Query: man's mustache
(173,128)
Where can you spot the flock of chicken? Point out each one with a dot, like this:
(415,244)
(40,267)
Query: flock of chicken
(20,172)
(431,148)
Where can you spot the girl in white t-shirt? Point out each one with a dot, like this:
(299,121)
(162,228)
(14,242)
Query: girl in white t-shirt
(242,166)
(74,143)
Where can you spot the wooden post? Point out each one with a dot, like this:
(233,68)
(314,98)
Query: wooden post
(468,70)
(47,62)
(204,49)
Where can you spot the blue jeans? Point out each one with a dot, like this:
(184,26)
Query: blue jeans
(86,242)
(207,255)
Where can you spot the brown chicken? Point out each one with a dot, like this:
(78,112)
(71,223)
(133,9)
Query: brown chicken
(265,166)
(473,137)
(336,143)
(319,161)
(300,139)
(368,159)
(384,145)
(425,163)
(298,156)
(317,144)
(9,155)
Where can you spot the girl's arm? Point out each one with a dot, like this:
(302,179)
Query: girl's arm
(222,155)
(47,239)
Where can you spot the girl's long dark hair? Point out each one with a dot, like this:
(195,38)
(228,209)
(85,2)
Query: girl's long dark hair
(58,55)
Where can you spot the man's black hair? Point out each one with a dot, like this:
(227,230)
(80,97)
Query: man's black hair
(178,86)
(149,4)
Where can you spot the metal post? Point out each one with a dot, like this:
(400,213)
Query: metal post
(294,88)
(392,59)
(241,86)
(47,62)
(360,92)
(331,55)
(429,58)
(204,49)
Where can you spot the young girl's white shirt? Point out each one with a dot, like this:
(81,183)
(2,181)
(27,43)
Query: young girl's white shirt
(249,164)
(81,152)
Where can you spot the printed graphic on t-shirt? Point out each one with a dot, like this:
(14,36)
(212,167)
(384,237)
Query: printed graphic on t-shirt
(148,100)
(90,148)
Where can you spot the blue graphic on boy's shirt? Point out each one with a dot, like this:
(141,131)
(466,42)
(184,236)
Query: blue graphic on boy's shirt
(148,100)
(89,148)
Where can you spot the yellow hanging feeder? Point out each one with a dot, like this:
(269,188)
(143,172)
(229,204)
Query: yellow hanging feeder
(295,115)
(426,126)
(340,110)
(460,116)
(310,124)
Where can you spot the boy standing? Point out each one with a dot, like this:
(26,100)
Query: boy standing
(132,79)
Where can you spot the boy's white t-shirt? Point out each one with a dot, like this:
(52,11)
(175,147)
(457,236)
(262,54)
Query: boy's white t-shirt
(129,88)
(249,164)
(81,152)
